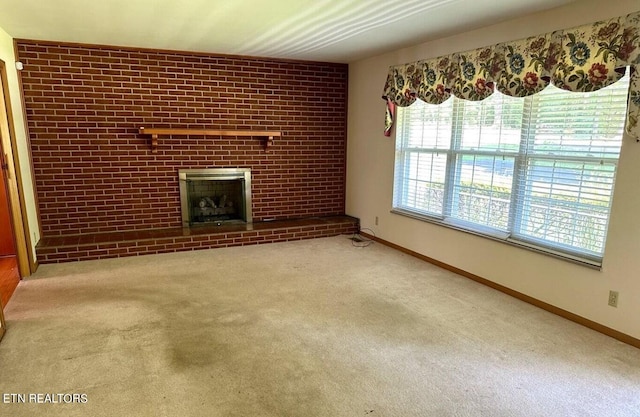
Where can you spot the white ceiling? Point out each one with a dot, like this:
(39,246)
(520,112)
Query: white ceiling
(317,30)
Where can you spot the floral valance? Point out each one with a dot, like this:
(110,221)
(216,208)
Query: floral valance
(585,58)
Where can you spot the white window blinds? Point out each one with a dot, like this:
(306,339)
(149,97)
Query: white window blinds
(538,170)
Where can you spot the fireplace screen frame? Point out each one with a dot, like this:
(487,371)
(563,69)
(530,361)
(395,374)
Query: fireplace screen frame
(214,174)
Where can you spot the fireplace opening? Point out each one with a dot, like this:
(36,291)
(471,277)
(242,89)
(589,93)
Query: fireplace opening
(215,196)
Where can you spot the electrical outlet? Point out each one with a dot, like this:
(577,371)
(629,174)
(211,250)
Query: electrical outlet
(376,220)
(613,298)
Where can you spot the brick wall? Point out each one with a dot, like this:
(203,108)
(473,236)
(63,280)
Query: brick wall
(95,173)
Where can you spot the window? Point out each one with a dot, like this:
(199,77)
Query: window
(537,171)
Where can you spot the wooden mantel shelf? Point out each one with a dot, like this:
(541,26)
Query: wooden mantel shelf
(204,132)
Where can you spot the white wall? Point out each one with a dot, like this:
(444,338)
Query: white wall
(24,158)
(575,288)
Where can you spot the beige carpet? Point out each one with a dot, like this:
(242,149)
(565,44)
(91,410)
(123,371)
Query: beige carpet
(308,328)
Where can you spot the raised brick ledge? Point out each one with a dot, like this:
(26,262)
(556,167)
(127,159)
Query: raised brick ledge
(55,249)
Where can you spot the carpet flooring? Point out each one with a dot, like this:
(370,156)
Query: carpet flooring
(308,328)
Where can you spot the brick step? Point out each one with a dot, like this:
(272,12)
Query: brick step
(55,249)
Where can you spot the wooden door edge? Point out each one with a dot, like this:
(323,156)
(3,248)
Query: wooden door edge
(24,254)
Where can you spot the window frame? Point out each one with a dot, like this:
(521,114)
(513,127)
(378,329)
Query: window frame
(514,234)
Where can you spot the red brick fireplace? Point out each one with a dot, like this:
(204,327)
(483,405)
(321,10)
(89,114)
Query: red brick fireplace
(97,176)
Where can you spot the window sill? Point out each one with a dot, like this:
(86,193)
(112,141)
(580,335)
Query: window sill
(590,263)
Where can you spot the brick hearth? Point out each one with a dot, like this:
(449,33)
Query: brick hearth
(144,242)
